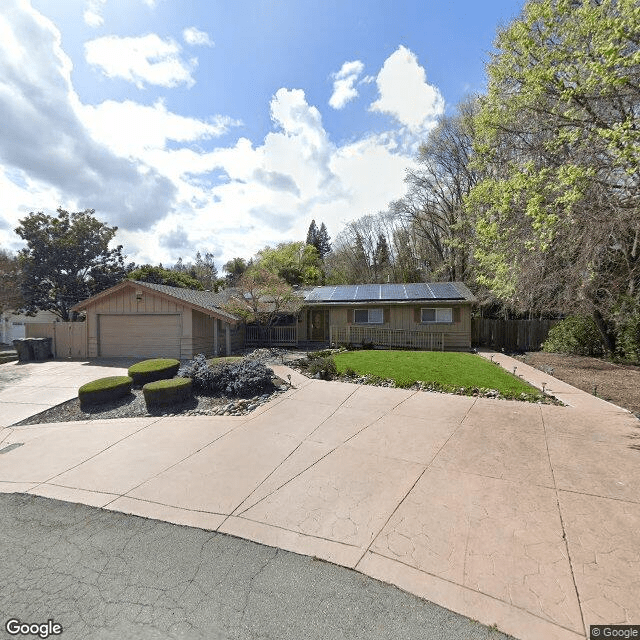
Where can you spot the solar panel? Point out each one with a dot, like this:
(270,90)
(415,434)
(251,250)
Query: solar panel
(446,291)
(366,292)
(392,292)
(418,291)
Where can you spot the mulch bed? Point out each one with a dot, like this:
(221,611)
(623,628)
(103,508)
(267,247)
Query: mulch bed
(617,383)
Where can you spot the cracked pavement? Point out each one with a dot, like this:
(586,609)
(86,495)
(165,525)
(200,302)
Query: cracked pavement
(106,575)
(518,515)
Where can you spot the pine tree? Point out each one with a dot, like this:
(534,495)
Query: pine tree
(312,235)
(324,242)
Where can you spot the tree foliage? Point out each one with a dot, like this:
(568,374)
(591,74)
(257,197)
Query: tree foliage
(203,269)
(160,275)
(262,296)
(10,282)
(67,259)
(558,145)
(235,268)
(294,262)
(319,238)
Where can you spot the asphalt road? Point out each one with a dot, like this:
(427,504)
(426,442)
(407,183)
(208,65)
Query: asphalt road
(104,575)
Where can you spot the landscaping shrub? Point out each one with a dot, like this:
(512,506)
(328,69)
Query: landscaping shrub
(167,392)
(577,335)
(152,370)
(200,372)
(323,353)
(104,390)
(243,378)
(325,366)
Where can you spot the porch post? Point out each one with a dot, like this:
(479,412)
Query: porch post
(215,336)
(227,335)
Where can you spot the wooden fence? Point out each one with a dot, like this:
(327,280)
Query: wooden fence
(271,336)
(69,338)
(390,338)
(511,335)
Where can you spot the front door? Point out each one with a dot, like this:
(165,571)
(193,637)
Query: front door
(319,322)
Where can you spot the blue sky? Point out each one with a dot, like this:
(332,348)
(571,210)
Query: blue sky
(225,126)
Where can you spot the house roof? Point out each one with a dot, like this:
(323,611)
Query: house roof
(206,301)
(398,293)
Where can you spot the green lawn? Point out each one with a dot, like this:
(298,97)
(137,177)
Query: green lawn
(446,369)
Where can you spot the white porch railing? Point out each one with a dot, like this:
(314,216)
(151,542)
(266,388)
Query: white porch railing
(390,338)
(272,336)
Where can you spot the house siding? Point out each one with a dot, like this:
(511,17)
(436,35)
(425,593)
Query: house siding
(457,335)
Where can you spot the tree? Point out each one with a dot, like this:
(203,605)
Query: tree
(262,297)
(558,144)
(381,258)
(319,238)
(295,262)
(160,275)
(324,242)
(205,271)
(10,282)
(235,268)
(67,259)
(434,206)
(312,234)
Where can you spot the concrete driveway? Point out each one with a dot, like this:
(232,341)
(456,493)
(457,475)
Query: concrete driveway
(27,388)
(520,515)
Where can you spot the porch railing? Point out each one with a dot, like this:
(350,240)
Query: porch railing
(272,336)
(390,338)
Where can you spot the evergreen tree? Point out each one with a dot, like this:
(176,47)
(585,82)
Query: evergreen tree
(324,242)
(312,235)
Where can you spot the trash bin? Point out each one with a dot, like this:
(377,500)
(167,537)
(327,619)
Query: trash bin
(23,347)
(41,348)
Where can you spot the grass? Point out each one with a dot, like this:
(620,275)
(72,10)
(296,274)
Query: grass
(449,370)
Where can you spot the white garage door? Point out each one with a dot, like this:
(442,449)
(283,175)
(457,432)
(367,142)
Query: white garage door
(145,336)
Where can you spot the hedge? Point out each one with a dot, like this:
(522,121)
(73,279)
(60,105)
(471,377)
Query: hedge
(152,370)
(104,390)
(167,392)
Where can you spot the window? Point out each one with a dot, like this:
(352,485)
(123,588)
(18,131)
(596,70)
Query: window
(437,314)
(368,316)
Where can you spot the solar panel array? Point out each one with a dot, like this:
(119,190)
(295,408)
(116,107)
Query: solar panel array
(365,292)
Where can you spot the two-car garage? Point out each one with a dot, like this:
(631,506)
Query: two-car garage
(139,335)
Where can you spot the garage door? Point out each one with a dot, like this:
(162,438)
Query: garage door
(145,336)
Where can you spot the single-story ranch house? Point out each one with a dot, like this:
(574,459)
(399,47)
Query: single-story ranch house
(141,319)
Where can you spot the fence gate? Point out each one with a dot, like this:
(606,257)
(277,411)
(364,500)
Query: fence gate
(69,338)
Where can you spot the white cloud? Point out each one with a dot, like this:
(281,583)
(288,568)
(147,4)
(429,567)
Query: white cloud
(194,36)
(343,84)
(405,93)
(141,60)
(49,143)
(149,171)
(93,12)
(129,128)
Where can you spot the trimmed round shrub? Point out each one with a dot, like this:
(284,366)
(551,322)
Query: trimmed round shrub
(577,335)
(104,390)
(167,392)
(152,370)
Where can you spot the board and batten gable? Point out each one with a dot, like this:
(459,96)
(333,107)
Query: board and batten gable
(137,320)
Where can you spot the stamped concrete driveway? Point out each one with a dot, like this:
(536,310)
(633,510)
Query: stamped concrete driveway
(26,388)
(520,515)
